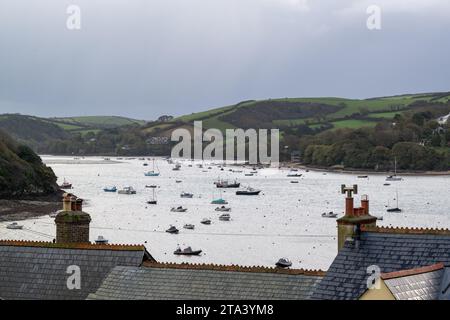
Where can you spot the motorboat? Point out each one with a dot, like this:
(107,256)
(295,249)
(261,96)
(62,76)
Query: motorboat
(363,177)
(219,201)
(227,184)
(14,226)
(223,209)
(177,167)
(225,217)
(187,252)
(186,195)
(151,186)
(178,209)
(127,190)
(248,174)
(330,214)
(248,192)
(172,230)
(294,181)
(101,240)
(386,184)
(294,175)
(65,185)
(145,164)
(189,226)
(283,263)
(205,221)
(110,189)
(178,181)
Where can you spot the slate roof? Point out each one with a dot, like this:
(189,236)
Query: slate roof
(390,249)
(37,270)
(416,284)
(175,282)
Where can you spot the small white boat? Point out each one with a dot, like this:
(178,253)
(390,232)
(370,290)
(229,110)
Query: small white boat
(127,190)
(186,195)
(189,226)
(101,240)
(15,226)
(223,209)
(178,209)
(225,217)
(330,214)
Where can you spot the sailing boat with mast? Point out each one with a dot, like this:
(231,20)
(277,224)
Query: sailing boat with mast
(153,201)
(394,177)
(396,209)
(152,173)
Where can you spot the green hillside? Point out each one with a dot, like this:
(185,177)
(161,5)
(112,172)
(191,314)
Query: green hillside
(291,112)
(22,172)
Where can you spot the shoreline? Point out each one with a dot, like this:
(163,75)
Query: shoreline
(29,207)
(362,171)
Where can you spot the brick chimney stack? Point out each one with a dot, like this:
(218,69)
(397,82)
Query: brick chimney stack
(72,224)
(354,218)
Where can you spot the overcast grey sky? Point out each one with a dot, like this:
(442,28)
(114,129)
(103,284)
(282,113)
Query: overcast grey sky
(144,58)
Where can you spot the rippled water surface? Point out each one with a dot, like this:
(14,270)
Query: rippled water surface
(283,221)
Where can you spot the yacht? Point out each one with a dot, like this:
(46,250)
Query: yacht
(394,177)
(65,185)
(152,173)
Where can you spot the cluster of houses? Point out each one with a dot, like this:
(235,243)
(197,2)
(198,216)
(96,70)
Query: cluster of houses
(372,263)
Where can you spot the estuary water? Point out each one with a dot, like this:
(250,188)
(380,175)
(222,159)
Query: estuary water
(283,221)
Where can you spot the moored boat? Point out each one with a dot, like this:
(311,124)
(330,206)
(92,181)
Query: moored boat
(223,209)
(186,195)
(172,230)
(205,221)
(187,252)
(110,189)
(225,217)
(127,190)
(14,226)
(248,192)
(283,263)
(189,226)
(330,214)
(178,209)
(65,185)
(101,240)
